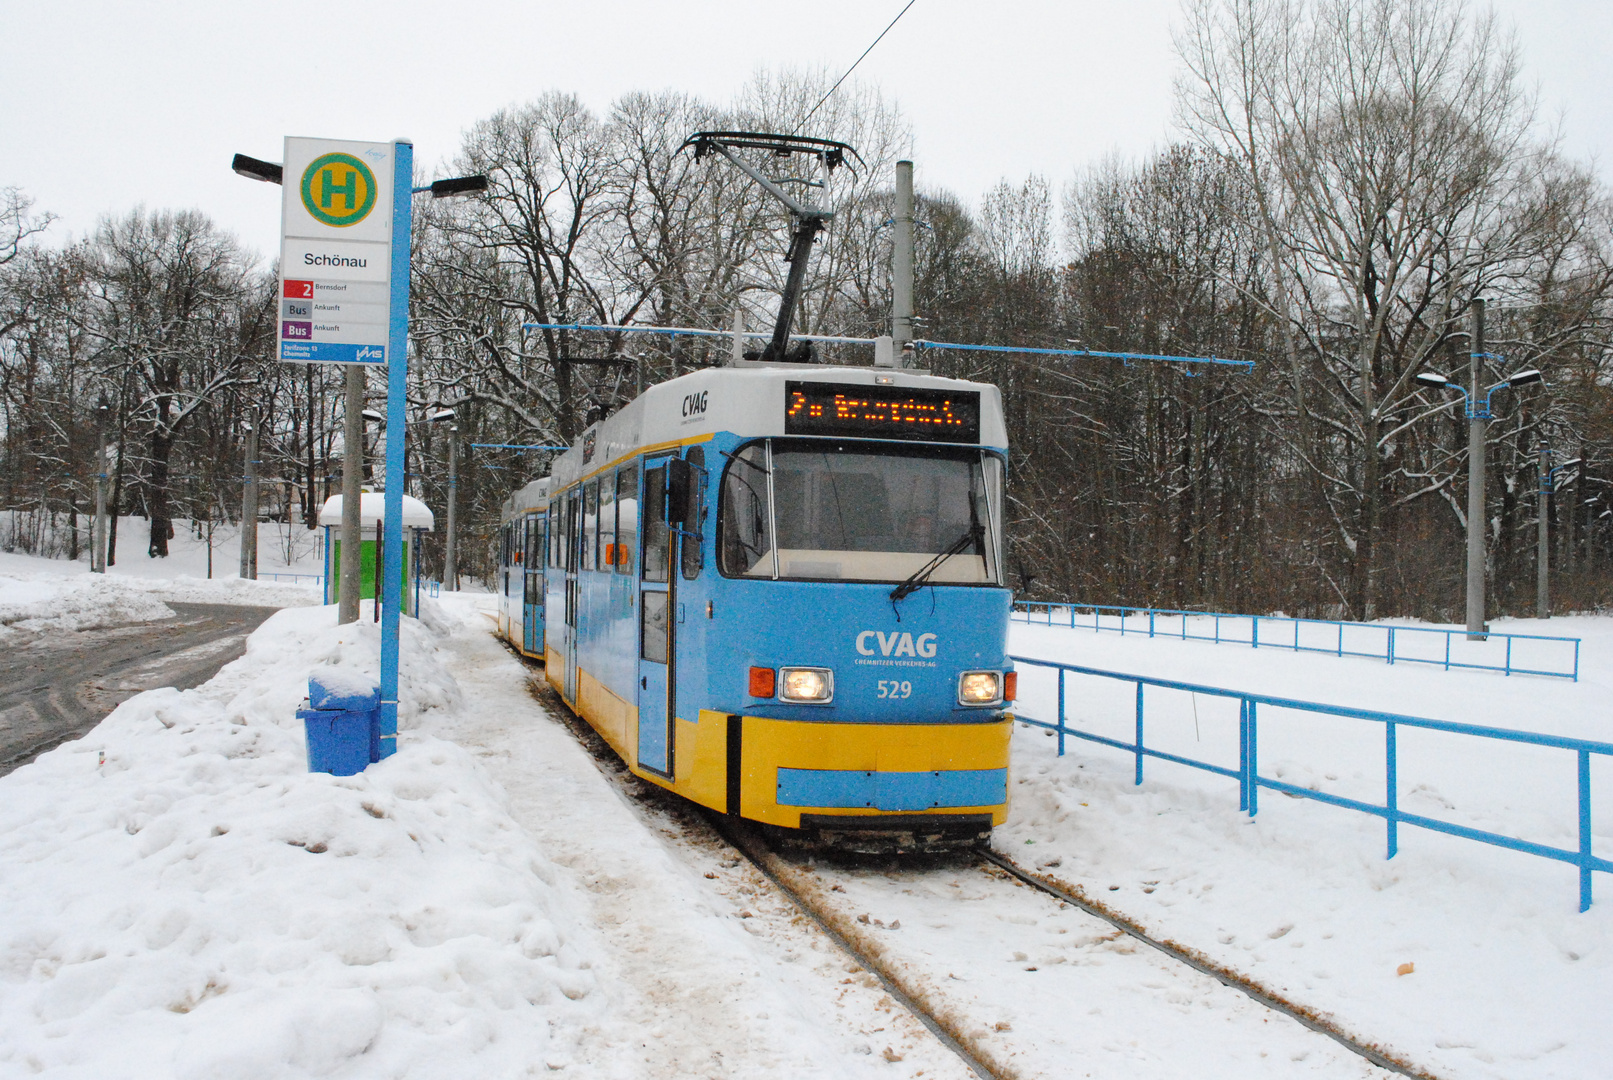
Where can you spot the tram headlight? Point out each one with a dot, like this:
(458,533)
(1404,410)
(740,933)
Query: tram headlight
(814,684)
(980,688)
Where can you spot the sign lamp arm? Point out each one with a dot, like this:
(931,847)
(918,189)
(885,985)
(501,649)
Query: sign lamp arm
(253,169)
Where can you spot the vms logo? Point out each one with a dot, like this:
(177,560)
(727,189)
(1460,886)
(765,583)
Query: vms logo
(370,352)
(338,190)
(896,643)
(695,404)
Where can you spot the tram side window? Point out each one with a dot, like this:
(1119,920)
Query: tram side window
(607,522)
(744,520)
(626,518)
(590,524)
(656,560)
(504,546)
(557,533)
(534,543)
(694,547)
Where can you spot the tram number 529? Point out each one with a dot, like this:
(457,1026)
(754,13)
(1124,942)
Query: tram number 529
(890,688)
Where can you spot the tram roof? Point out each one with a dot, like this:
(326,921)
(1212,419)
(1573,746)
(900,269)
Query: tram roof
(534,496)
(745,400)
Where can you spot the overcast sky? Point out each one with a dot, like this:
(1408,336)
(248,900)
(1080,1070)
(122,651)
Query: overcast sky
(105,104)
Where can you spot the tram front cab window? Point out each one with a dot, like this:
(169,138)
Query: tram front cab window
(860,512)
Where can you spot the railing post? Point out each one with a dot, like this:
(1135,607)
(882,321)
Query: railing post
(1447,650)
(1391,646)
(1139,778)
(1391,800)
(1254,630)
(1061,712)
(1509,654)
(1254,760)
(1584,830)
(1341,639)
(1243,754)
(1217,629)
(1576,659)
(1150,622)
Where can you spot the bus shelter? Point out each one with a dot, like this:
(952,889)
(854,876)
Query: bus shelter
(417,520)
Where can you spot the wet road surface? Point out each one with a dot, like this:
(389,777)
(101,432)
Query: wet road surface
(58,687)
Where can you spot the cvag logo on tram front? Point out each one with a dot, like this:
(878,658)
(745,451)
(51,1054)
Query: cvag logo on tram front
(694,406)
(896,643)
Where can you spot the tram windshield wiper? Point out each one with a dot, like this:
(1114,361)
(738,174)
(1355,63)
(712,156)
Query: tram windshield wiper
(916,581)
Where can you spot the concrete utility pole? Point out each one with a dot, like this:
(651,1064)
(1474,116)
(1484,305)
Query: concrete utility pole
(902,260)
(249,505)
(98,530)
(450,560)
(1476,425)
(1543,554)
(352,494)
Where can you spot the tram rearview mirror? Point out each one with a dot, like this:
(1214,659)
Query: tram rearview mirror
(682,494)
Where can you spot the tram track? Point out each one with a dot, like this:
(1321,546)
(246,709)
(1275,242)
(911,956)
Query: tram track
(813,887)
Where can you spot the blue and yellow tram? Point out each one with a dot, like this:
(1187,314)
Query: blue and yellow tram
(523,533)
(778,590)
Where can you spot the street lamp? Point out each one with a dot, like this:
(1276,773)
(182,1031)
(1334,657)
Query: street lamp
(1548,487)
(1478,414)
(98,534)
(450,555)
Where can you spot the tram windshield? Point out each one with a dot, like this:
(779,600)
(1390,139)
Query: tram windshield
(856,512)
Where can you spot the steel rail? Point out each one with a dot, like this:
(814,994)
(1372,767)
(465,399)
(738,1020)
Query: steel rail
(747,844)
(1205,966)
(754,850)
(611,767)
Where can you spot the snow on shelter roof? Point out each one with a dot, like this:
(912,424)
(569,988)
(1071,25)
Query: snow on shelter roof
(372,508)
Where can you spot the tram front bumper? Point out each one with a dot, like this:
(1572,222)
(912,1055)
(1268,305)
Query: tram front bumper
(787,769)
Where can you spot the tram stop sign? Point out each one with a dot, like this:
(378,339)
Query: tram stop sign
(336,251)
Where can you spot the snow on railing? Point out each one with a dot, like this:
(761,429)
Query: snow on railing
(1519,654)
(1250,781)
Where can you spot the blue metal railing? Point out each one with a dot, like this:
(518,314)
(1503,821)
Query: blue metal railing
(433,588)
(1250,781)
(1378,641)
(276,575)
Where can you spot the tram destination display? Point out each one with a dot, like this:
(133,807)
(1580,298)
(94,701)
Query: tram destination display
(881,412)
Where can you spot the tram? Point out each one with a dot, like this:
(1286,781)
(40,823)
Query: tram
(778,590)
(523,531)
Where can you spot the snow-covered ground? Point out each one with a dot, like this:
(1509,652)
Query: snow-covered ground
(42,596)
(179,897)
(1508,979)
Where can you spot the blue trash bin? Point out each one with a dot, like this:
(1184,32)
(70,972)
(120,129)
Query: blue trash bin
(338,740)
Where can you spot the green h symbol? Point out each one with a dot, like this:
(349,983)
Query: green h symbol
(330,189)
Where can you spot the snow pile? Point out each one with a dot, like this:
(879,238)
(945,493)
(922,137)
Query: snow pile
(1471,960)
(179,897)
(44,602)
(234,590)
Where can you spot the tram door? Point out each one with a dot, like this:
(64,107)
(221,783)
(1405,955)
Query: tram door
(532,602)
(568,646)
(657,599)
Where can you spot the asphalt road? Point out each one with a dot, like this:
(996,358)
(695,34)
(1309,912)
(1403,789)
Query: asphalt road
(58,687)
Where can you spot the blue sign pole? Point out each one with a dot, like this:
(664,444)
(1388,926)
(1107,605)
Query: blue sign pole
(397,376)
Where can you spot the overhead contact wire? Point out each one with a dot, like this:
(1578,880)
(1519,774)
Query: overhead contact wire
(852,68)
